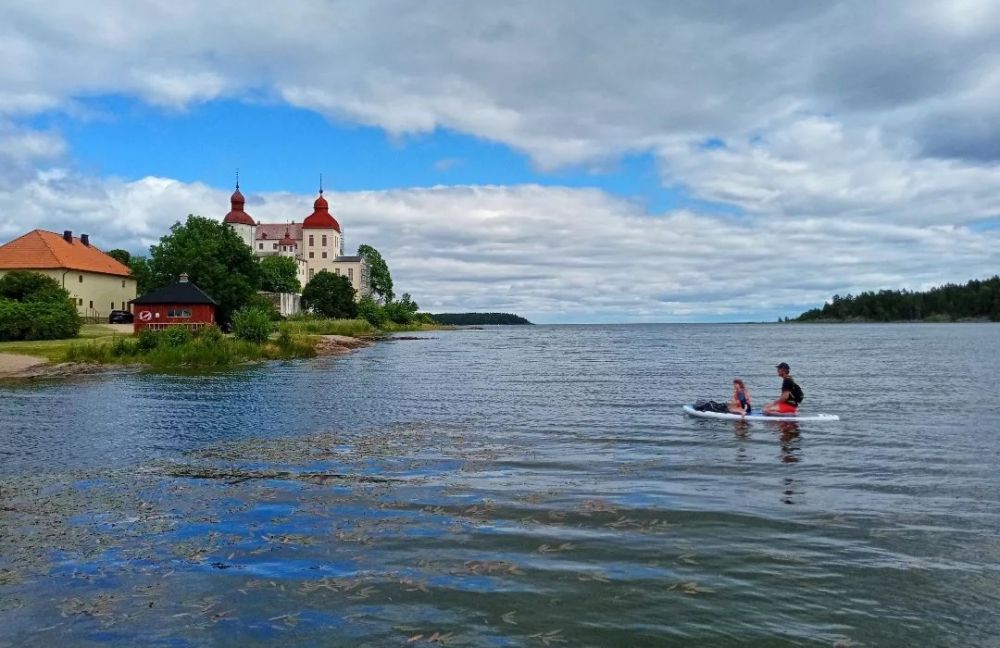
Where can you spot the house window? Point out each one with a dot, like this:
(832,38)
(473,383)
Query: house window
(260,246)
(324,255)
(274,246)
(91,304)
(350,274)
(312,254)
(79,302)
(311,242)
(123,283)
(324,240)
(179,312)
(81,278)
(112,305)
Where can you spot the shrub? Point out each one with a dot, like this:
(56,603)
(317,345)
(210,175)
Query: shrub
(252,325)
(147,341)
(175,336)
(369,309)
(123,347)
(25,286)
(34,307)
(209,334)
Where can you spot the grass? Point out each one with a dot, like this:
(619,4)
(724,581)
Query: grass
(317,326)
(210,352)
(55,350)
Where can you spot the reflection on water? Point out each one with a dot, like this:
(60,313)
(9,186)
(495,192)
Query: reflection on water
(510,487)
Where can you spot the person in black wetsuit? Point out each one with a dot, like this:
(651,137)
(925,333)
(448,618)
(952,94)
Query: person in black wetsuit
(740,402)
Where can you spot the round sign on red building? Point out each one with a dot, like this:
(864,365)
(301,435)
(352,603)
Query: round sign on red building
(146,316)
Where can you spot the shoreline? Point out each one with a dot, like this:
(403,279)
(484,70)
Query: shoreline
(16,366)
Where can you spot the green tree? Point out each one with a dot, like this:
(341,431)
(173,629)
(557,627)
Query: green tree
(215,259)
(279,274)
(119,255)
(378,273)
(330,295)
(34,306)
(27,286)
(142,274)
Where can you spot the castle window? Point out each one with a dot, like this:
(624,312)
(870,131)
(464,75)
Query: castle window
(350,274)
(123,283)
(274,246)
(336,271)
(79,302)
(324,255)
(311,241)
(312,254)
(310,273)
(92,303)
(260,246)
(81,278)
(324,240)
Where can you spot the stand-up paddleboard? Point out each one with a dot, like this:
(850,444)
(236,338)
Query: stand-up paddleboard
(761,417)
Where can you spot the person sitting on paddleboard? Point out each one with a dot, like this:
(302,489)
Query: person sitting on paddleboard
(740,402)
(787,403)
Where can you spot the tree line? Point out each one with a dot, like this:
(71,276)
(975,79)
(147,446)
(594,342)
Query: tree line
(217,261)
(471,319)
(976,300)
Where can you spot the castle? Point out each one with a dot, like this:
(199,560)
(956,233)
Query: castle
(317,243)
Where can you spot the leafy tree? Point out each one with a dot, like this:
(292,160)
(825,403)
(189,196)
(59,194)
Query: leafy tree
(402,311)
(27,286)
(119,255)
(142,274)
(279,274)
(379,277)
(34,306)
(330,295)
(215,259)
(372,311)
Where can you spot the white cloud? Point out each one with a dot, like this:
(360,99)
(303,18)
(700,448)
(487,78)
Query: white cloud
(862,141)
(552,254)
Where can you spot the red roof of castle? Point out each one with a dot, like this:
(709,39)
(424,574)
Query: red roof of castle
(236,215)
(321,218)
(288,240)
(42,250)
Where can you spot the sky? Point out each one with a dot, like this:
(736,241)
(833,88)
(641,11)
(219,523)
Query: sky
(570,161)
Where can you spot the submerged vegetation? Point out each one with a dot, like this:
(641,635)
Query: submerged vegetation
(976,300)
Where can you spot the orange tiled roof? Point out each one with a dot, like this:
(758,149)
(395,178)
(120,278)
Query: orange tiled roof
(41,250)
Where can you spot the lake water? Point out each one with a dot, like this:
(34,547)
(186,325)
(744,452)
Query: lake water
(522,486)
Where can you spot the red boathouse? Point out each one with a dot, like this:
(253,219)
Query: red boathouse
(179,304)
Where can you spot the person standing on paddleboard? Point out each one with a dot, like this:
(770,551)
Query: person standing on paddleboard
(791,394)
(740,402)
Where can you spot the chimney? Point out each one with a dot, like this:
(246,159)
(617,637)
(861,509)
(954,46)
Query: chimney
(85,239)
(184,277)
(68,236)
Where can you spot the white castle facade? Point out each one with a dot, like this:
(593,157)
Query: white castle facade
(317,243)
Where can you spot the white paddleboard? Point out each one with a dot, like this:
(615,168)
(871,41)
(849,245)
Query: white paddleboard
(761,417)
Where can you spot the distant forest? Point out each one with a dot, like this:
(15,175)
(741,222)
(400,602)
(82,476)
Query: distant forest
(467,319)
(976,300)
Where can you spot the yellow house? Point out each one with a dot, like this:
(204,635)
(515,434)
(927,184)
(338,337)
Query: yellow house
(97,282)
